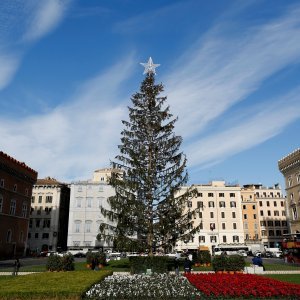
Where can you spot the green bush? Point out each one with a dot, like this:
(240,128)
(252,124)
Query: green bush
(100,256)
(228,263)
(67,262)
(54,263)
(158,264)
(203,257)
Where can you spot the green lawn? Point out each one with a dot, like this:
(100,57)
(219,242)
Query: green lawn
(49,285)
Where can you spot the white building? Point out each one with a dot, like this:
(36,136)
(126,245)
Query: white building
(48,215)
(85,214)
(219,216)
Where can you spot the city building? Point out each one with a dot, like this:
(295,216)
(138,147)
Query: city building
(16,181)
(49,213)
(85,215)
(289,166)
(219,215)
(264,215)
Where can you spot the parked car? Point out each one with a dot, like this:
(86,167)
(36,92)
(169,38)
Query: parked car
(54,253)
(268,254)
(278,254)
(242,253)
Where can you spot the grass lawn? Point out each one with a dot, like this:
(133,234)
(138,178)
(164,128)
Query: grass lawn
(49,285)
(292,278)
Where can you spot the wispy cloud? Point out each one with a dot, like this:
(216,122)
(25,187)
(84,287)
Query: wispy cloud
(21,23)
(220,71)
(79,136)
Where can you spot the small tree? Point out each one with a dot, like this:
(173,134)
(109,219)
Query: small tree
(149,206)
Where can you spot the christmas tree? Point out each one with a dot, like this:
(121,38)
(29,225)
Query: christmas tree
(150,207)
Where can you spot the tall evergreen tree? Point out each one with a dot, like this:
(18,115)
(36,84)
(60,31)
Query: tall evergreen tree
(149,207)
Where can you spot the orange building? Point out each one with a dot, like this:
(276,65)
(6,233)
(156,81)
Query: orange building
(16,182)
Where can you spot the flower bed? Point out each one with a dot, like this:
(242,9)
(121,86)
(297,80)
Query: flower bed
(243,286)
(157,286)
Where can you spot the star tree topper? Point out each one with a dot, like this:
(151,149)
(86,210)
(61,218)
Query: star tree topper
(150,66)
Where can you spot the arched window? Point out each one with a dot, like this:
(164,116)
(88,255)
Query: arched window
(12,209)
(8,236)
(88,225)
(77,226)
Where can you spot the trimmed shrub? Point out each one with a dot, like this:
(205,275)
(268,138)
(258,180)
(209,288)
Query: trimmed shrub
(158,264)
(100,256)
(67,262)
(203,257)
(228,263)
(54,263)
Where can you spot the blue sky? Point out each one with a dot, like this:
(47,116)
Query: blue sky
(230,70)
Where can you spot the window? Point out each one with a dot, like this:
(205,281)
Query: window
(232,195)
(36,235)
(210,194)
(270,223)
(8,236)
(271,232)
(234,225)
(260,203)
(211,214)
(48,210)
(290,182)
(2,183)
(189,204)
(262,213)
(100,188)
(245,216)
(254,216)
(12,209)
(40,199)
(233,215)
(89,202)
(199,204)
(45,235)
(235,239)
(222,204)
(212,226)
(201,225)
(244,206)
(78,202)
(268,203)
(29,235)
(201,239)
(213,239)
(283,223)
(232,204)
(263,223)
(221,195)
(32,199)
(275,203)
(294,211)
(253,206)
(277,223)
(77,226)
(30,223)
(245,225)
(278,233)
(15,188)
(24,210)
(222,214)
(223,225)
(200,214)
(76,243)
(263,233)
(211,204)
(276,213)
(79,189)
(37,223)
(224,239)
(49,199)
(247,236)
(46,223)
(281,203)
(1,203)
(269,213)
(199,194)
(88,225)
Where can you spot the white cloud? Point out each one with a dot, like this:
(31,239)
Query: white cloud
(220,71)
(76,138)
(47,15)
(9,65)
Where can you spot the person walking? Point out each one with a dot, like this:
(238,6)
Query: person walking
(176,265)
(17,266)
(187,266)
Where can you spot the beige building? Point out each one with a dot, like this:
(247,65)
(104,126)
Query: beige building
(264,214)
(289,166)
(219,216)
(48,223)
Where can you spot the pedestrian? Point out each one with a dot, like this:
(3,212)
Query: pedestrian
(176,265)
(93,263)
(17,266)
(257,261)
(187,265)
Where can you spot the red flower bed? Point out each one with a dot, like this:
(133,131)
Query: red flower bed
(243,285)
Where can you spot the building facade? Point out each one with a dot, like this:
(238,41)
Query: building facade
(85,215)
(264,215)
(219,215)
(289,166)
(49,213)
(16,181)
